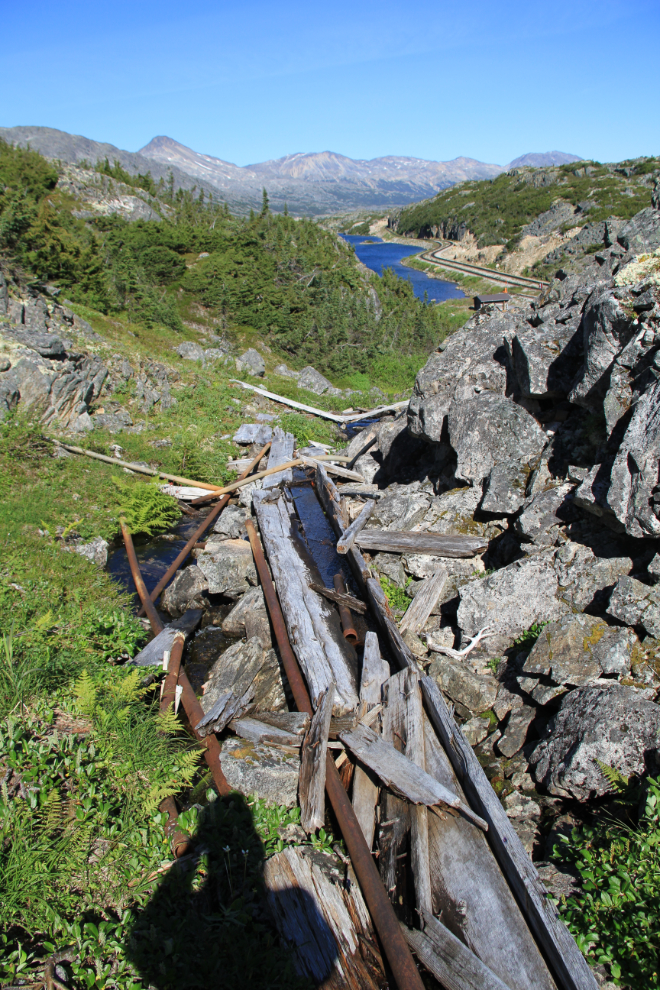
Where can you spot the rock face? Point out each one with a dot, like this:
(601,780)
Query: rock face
(263,770)
(571,651)
(228,567)
(636,604)
(476,692)
(251,362)
(185,591)
(313,381)
(611,724)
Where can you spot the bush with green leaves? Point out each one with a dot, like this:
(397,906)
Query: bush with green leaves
(616,917)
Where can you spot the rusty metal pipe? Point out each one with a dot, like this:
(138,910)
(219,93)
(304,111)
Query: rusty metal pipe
(155,620)
(391,937)
(173,668)
(345,617)
(262,453)
(213,514)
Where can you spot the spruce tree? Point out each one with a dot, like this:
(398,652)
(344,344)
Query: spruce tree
(265,205)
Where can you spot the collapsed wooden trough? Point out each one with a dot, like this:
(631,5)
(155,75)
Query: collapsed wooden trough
(468,899)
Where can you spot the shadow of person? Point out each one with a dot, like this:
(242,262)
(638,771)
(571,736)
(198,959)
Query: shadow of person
(207,924)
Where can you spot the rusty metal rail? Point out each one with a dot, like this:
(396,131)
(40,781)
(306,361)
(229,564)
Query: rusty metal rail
(385,921)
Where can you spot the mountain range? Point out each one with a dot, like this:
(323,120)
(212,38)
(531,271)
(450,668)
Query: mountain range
(309,183)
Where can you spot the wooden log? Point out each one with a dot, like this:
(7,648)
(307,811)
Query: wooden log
(471,893)
(423,603)
(311,786)
(347,539)
(294,722)
(312,623)
(257,731)
(452,963)
(375,672)
(419,827)
(570,966)
(334,468)
(335,417)
(230,686)
(400,774)
(281,451)
(326,925)
(394,826)
(436,544)
(340,598)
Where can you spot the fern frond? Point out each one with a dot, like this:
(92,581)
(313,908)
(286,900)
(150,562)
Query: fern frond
(614,777)
(167,722)
(85,691)
(146,509)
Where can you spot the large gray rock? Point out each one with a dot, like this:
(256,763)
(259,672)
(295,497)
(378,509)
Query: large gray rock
(473,361)
(269,773)
(510,601)
(504,489)
(95,551)
(58,391)
(544,362)
(634,475)
(190,351)
(313,381)
(476,692)
(515,734)
(577,649)
(543,513)
(607,327)
(399,510)
(642,233)
(610,724)
(113,422)
(252,362)
(249,433)
(585,578)
(228,567)
(490,428)
(185,591)
(252,601)
(231,522)
(636,604)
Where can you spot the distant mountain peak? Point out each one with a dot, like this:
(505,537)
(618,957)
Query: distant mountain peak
(543,159)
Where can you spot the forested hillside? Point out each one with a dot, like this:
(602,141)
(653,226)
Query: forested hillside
(299,286)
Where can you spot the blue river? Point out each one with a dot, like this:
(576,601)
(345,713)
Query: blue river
(379,254)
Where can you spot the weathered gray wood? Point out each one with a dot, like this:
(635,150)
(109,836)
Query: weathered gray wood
(471,893)
(400,774)
(394,826)
(419,826)
(312,623)
(231,685)
(336,417)
(311,787)
(423,603)
(341,472)
(326,924)
(247,433)
(255,731)
(436,544)
(152,653)
(347,539)
(281,451)
(451,962)
(331,501)
(341,599)
(228,706)
(375,672)
(569,965)
(385,615)
(294,722)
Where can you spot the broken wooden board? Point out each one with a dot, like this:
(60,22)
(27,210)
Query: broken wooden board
(228,689)
(152,653)
(281,451)
(394,825)
(436,544)
(341,472)
(450,961)
(347,539)
(295,723)
(569,965)
(423,603)
(400,774)
(323,920)
(407,685)
(312,623)
(256,731)
(375,672)
(349,601)
(470,892)
(311,786)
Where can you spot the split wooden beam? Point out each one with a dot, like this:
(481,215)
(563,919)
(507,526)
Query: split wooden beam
(408,687)
(334,468)
(311,783)
(347,539)
(366,787)
(323,413)
(449,959)
(340,598)
(423,603)
(435,544)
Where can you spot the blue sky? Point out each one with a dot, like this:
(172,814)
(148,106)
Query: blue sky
(257,80)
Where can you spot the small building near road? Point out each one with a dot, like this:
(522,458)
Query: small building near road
(501,300)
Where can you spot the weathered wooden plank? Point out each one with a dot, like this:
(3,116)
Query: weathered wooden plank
(256,731)
(281,451)
(153,652)
(311,787)
(451,962)
(312,623)
(436,544)
(294,722)
(394,826)
(423,603)
(326,924)
(336,417)
(341,472)
(341,599)
(375,672)
(400,774)
(419,826)
(227,707)
(347,539)
(569,965)
(230,686)
(471,893)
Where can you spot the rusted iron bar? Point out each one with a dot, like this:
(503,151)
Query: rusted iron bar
(116,462)
(345,617)
(296,462)
(199,532)
(391,937)
(191,705)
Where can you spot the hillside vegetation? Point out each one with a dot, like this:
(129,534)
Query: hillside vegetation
(496,211)
(300,287)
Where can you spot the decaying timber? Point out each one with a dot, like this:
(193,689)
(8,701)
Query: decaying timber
(450,961)
(256,731)
(423,603)
(347,539)
(311,786)
(281,451)
(152,654)
(349,601)
(375,672)
(407,684)
(229,688)
(436,544)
